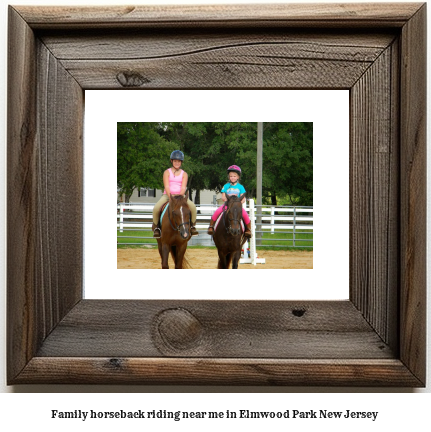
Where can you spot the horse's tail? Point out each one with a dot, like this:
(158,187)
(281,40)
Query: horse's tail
(186,264)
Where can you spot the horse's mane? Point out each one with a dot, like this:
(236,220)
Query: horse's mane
(178,200)
(234,200)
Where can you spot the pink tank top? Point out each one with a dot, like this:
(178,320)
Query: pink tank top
(175,182)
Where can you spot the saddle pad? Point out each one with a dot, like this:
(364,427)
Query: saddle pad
(219,218)
(163,211)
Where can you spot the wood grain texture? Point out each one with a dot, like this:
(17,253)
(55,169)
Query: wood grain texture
(258,59)
(376,338)
(59,245)
(140,44)
(413,193)
(197,371)
(374,192)
(45,188)
(299,14)
(235,329)
(22,204)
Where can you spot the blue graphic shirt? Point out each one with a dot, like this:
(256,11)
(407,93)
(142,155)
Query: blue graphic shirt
(230,189)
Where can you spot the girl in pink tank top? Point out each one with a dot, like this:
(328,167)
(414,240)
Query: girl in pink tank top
(175,182)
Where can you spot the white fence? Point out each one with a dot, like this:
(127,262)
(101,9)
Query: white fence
(293,222)
(139,216)
(294,217)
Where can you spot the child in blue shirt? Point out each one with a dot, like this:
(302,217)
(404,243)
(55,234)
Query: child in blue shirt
(232,188)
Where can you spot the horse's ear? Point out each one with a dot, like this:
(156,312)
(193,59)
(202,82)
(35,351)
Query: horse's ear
(242,196)
(186,195)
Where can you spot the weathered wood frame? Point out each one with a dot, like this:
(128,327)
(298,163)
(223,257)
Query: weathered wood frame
(376,338)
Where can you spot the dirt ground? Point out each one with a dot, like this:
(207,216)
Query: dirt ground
(207,259)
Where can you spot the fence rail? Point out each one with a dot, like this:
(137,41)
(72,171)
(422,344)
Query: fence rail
(274,226)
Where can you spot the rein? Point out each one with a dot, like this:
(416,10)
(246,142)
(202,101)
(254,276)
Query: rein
(178,227)
(234,219)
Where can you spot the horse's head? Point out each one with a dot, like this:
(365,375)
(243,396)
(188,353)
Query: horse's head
(181,216)
(234,214)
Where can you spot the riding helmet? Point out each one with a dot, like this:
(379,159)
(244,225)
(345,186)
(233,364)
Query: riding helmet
(234,168)
(178,155)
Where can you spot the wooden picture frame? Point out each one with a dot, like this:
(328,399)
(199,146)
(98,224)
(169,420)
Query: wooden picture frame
(376,338)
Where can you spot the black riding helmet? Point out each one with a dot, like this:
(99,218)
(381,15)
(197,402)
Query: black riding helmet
(178,155)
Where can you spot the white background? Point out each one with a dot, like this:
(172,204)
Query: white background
(329,112)
(399,411)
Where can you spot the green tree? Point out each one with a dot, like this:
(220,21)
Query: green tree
(205,151)
(142,156)
(288,162)
(210,147)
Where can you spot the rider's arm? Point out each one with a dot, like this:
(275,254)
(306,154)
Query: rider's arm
(184,183)
(166,183)
(243,193)
(223,197)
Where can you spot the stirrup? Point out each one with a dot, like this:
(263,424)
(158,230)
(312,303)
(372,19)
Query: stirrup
(210,230)
(193,231)
(157,233)
(247,234)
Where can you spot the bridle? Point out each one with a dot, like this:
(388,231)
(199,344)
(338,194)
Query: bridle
(233,219)
(173,212)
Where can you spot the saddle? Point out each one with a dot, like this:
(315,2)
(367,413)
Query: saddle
(219,219)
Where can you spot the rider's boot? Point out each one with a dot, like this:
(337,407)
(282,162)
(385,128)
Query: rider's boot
(247,232)
(193,230)
(211,227)
(156,230)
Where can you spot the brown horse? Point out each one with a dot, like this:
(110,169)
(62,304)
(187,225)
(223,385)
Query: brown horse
(228,236)
(175,232)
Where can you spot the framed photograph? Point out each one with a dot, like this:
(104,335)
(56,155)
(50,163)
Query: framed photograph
(127,274)
(374,338)
(283,226)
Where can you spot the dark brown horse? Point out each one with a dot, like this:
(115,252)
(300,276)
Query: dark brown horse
(228,236)
(175,232)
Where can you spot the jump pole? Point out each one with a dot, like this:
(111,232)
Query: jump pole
(253,254)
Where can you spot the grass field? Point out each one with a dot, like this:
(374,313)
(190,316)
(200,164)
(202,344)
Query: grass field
(276,241)
(303,240)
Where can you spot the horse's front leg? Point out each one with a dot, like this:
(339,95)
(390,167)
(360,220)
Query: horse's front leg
(222,263)
(181,250)
(235,259)
(165,256)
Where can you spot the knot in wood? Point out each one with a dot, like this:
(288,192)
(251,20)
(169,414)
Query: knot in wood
(298,312)
(131,79)
(115,363)
(178,329)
